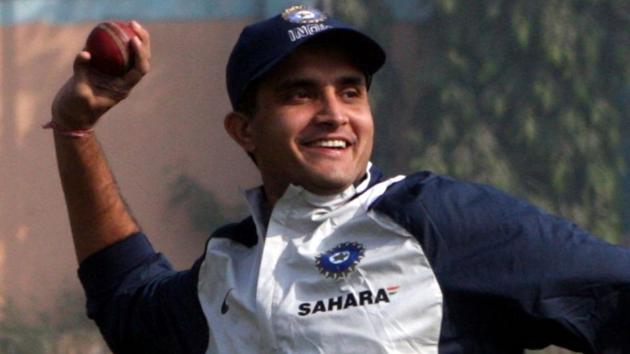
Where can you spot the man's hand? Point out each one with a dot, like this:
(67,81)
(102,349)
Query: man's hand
(88,94)
(98,214)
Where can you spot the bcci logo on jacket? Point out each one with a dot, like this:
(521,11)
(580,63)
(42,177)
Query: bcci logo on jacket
(340,261)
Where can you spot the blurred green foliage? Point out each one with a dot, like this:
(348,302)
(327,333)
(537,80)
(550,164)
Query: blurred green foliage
(65,330)
(520,94)
(204,211)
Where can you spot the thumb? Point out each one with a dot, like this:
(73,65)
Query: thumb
(81,63)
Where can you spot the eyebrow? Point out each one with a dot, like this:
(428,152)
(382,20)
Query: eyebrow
(351,80)
(346,80)
(292,83)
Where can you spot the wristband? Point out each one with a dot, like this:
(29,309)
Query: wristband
(72,133)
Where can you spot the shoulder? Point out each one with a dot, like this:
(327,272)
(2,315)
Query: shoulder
(243,232)
(449,203)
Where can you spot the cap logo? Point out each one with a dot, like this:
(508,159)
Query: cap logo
(300,32)
(303,15)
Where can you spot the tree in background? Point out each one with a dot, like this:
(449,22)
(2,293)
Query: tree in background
(521,94)
(64,331)
(204,211)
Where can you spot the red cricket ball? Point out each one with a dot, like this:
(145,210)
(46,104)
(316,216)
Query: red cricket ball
(109,43)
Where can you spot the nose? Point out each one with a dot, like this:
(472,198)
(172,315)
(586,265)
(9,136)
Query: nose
(331,110)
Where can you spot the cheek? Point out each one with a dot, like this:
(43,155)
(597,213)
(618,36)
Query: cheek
(369,128)
(273,135)
(365,128)
(285,125)
(365,131)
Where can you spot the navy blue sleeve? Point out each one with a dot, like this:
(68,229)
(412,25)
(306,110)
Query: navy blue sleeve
(513,276)
(140,304)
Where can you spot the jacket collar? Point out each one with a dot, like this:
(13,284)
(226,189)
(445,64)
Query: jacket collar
(246,231)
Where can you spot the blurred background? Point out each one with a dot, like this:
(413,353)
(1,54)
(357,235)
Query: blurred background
(531,96)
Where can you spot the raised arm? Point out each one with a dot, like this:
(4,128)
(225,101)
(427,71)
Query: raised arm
(98,214)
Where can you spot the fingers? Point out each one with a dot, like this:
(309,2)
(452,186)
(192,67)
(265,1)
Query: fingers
(143,34)
(142,61)
(141,45)
(89,93)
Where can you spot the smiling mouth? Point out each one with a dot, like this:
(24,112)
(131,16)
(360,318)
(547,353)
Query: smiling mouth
(330,143)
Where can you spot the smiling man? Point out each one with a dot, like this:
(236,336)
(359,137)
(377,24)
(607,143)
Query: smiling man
(334,258)
(312,124)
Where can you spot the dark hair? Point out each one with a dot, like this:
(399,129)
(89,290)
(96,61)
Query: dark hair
(248,104)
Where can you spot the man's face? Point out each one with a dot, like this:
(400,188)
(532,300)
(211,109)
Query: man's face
(313,124)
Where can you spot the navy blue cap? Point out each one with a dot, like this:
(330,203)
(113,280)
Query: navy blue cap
(264,44)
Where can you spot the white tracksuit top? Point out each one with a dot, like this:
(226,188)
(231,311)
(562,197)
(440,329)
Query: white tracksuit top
(324,267)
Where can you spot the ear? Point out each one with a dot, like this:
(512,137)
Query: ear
(238,126)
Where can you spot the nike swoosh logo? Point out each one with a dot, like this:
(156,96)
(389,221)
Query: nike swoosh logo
(224,306)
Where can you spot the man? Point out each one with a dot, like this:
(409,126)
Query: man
(334,258)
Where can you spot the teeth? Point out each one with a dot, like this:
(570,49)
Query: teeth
(331,143)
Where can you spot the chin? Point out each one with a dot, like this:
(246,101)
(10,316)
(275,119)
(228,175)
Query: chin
(328,183)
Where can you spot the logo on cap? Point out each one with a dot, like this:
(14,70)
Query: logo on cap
(340,261)
(303,15)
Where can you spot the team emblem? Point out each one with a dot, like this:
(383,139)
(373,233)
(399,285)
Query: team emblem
(303,15)
(340,261)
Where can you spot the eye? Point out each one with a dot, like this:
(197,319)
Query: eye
(350,93)
(298,95)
